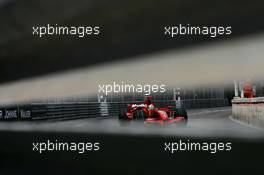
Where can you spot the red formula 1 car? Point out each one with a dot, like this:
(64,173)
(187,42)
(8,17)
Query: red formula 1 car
(148,112)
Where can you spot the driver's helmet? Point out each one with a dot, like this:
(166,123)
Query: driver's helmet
(151,107)
(148,100)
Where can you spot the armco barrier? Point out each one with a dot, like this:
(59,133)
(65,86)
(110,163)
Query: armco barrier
(249,110)
(204,103)
(81,109)
(59,110)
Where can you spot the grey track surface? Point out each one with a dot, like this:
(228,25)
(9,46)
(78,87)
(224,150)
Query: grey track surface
(213,123)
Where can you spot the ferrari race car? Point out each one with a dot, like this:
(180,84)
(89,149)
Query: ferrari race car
(149,113)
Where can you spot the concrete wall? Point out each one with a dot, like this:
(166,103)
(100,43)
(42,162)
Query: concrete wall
(250,111)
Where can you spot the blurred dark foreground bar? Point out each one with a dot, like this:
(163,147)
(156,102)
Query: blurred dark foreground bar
(125,154)
(128,28)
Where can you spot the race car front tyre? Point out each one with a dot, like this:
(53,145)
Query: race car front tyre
(122,114)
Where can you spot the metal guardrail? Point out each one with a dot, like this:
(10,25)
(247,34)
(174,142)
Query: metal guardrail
(82,109)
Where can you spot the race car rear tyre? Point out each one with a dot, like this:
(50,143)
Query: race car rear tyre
(140,115)
(181,112)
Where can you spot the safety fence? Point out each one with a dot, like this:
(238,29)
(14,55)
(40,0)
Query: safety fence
(81,109)
(204,103)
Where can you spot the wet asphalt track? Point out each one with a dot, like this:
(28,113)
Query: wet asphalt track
(214,122)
